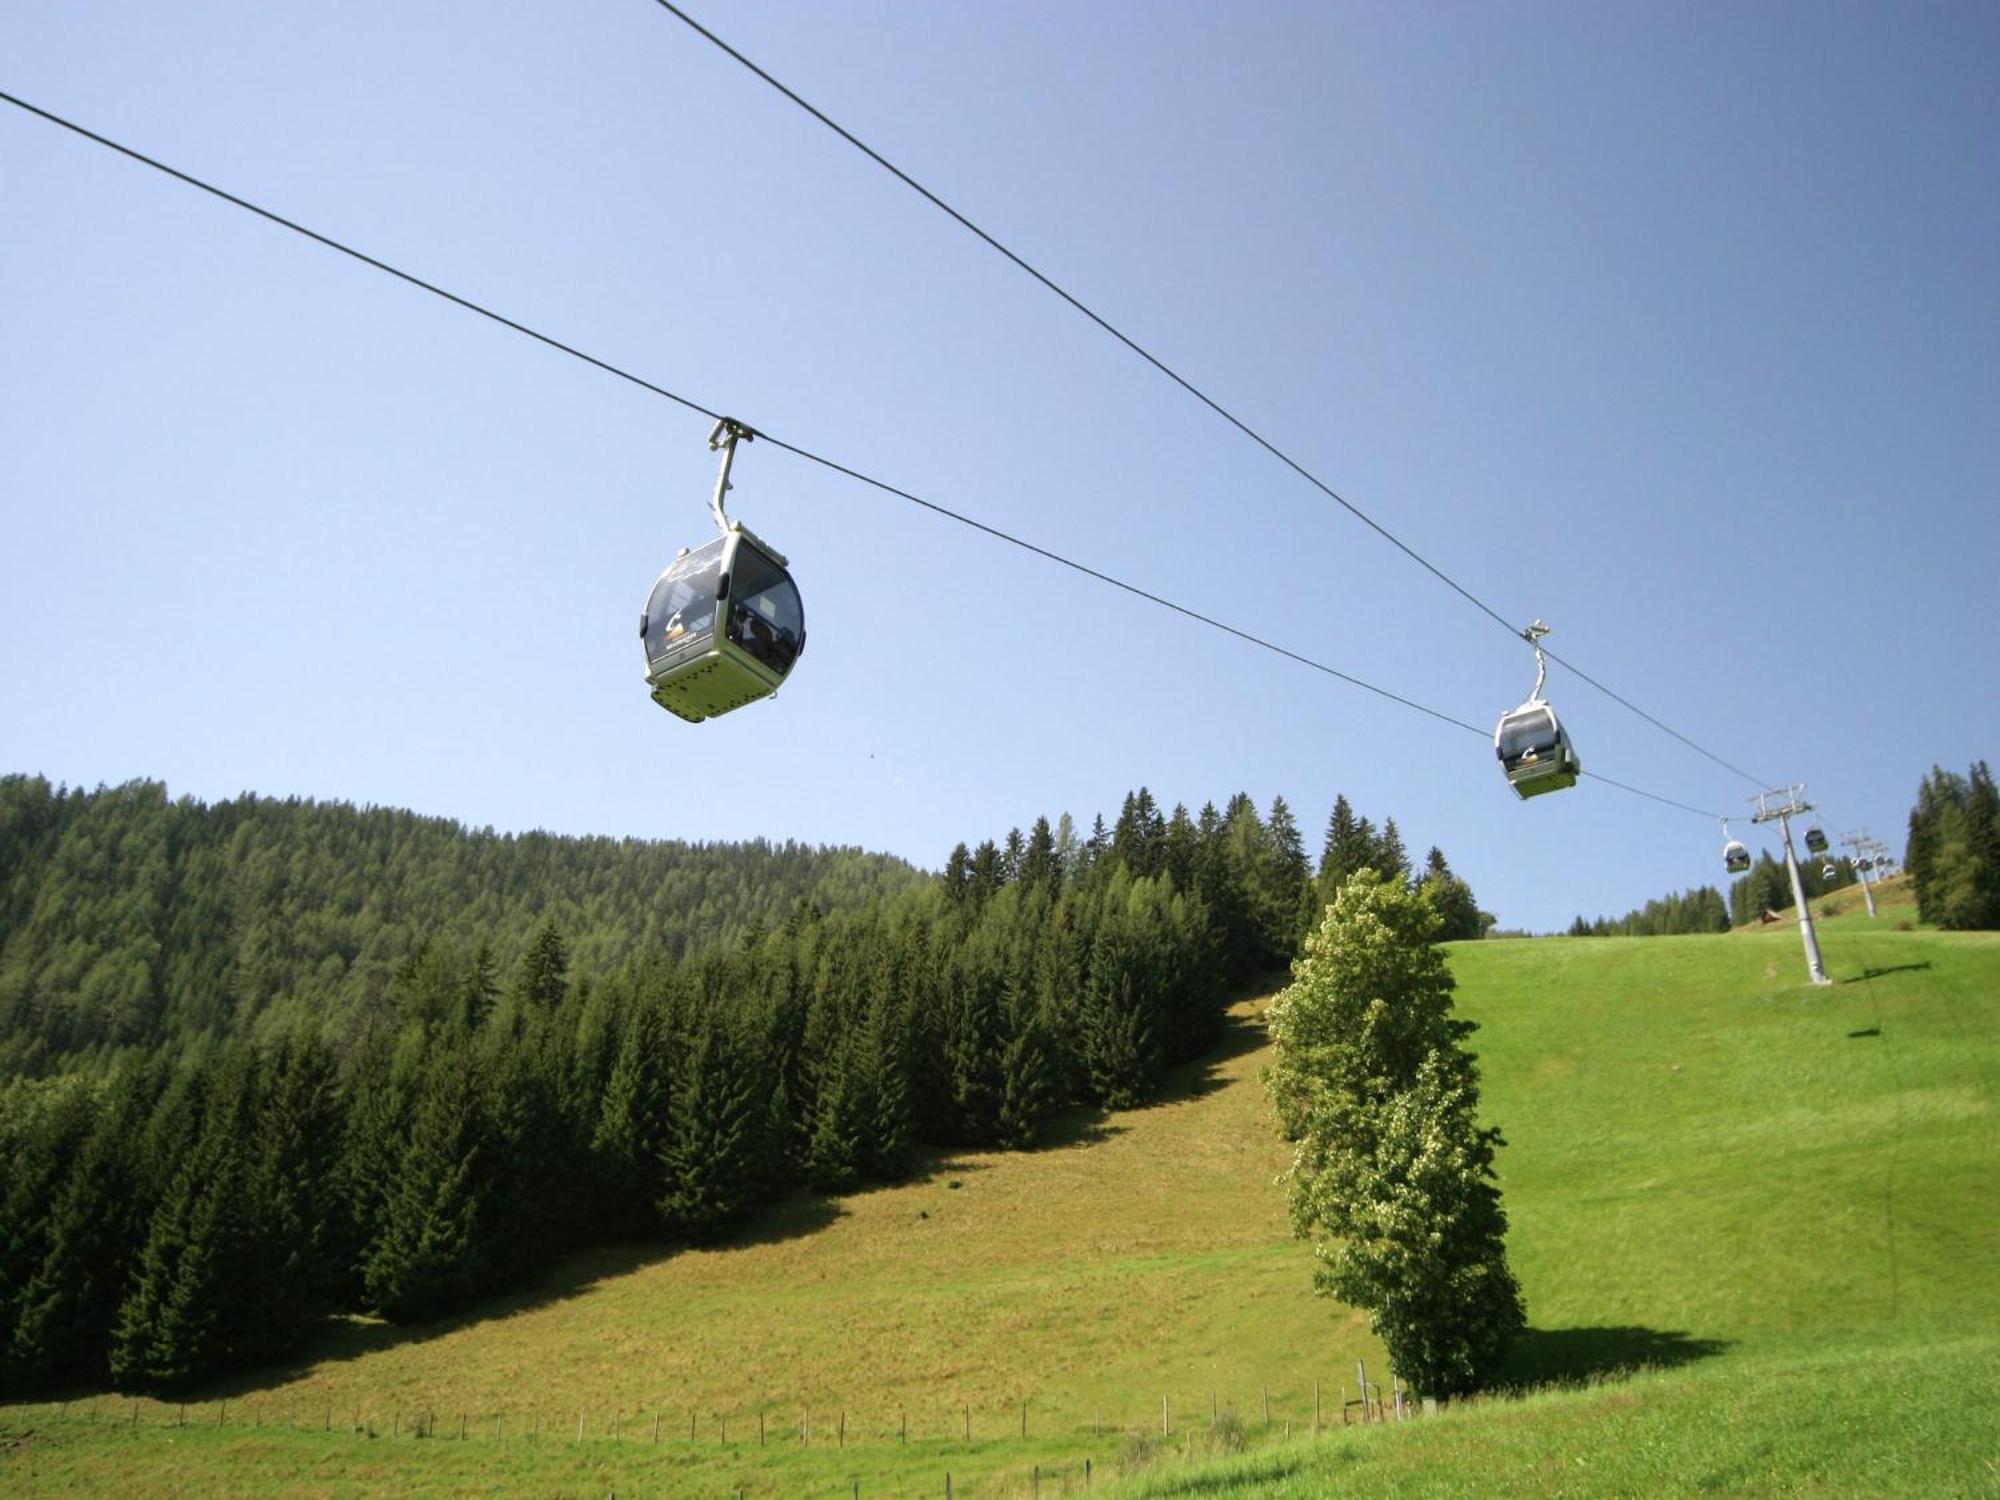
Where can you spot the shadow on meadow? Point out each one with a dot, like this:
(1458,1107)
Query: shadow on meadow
(1578,1356)
(802,1214)
(1867,974)
(346,1338)
(1088,1124)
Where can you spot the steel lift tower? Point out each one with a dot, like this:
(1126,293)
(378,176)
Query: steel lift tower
(1781,807)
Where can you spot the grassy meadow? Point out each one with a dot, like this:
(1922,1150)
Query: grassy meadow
(1780,1200)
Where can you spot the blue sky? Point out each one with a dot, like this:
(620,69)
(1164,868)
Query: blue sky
(1678,326)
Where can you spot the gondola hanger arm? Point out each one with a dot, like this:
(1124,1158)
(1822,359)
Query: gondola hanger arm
(1533,636)
(728,432)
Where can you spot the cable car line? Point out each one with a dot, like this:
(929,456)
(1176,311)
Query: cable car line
(348,250)
(1649,796)
(1182,381)
(763,436)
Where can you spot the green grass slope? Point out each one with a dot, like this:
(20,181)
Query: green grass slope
(1782,1198)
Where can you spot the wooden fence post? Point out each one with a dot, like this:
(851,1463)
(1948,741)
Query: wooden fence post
(1024,1419)
(1316,1406)
(1166,1418)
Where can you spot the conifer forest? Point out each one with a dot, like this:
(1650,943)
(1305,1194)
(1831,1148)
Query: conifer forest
(264,1062)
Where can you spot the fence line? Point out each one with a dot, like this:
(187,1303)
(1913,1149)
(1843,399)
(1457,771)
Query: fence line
(1370,1405)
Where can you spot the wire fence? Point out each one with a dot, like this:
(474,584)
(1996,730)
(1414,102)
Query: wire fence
(1182,1428)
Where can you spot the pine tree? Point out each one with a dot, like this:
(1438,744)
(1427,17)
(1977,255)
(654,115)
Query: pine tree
(1011,855)
(1039,869)
(292,1232)
(427,1255)
(958,874)
(626,1141)
(1391,859)
(543,977)
(174,1328)
(988,874)
(1136,838)
(93,1232)
(1029,1090)
(715,1132)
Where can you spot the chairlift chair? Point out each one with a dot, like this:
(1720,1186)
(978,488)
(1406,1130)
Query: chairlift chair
(723,625)
(1533,747)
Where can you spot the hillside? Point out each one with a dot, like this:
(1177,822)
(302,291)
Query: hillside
(1780,1197)
(1895,905)
(128,917)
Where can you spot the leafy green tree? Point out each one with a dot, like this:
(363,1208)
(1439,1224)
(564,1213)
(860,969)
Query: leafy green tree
(1390,1168)
(1421,1235)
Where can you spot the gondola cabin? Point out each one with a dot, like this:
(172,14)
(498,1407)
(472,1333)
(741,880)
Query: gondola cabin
(1735,858)
(1534,750)
(723,627)
(1815,840)
(1828,872)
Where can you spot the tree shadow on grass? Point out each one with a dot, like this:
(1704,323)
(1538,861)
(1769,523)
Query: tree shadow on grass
(1238,1035)
(1867,974)
(354,1337)
(1089,1124)
(1582,1356)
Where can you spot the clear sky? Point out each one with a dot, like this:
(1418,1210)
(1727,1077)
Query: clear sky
(1676,325)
